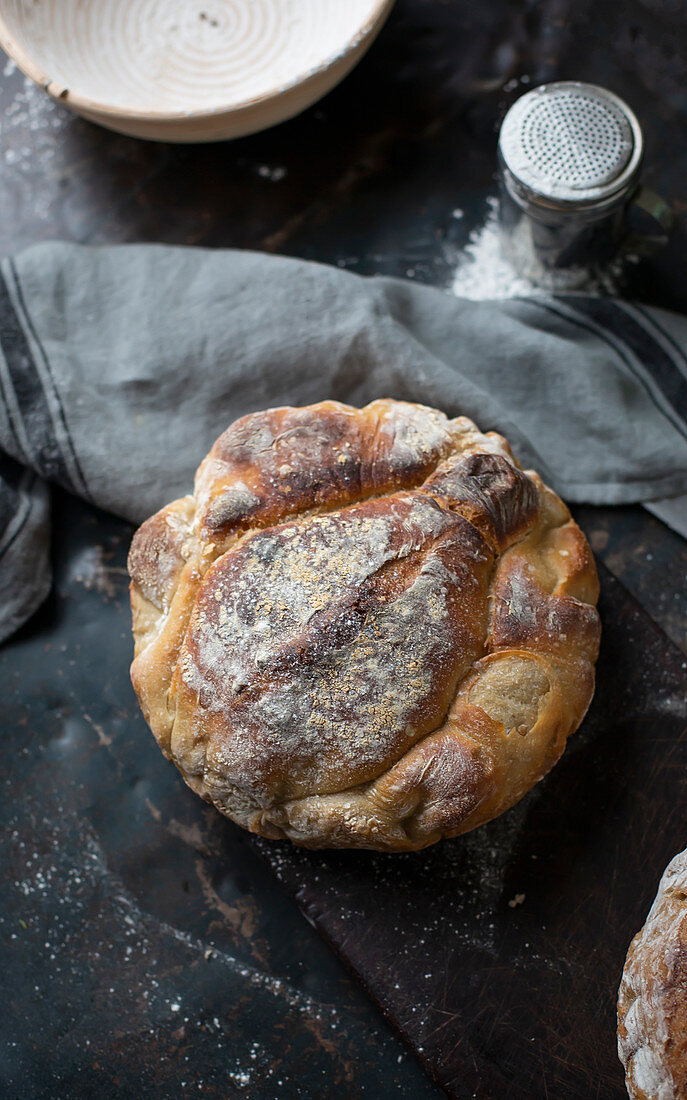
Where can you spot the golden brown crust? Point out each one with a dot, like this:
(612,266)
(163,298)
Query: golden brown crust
(282,462)
(367,627)
(652,1000)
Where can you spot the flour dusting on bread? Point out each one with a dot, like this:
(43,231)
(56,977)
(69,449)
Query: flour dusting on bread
(338,633)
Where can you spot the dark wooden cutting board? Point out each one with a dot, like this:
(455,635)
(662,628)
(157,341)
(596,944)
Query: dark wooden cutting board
(498,955)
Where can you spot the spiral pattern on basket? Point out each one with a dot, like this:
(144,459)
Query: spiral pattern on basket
(181,55)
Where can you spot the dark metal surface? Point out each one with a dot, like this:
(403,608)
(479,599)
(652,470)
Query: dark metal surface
(116,881)
(370,178)
(145,950)
(498,955)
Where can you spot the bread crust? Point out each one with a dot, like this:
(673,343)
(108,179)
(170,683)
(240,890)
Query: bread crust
(652,1000)
(365,628)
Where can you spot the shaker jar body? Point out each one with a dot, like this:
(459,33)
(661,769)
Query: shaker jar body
(557,247)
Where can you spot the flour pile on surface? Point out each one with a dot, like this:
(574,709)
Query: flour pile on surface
(483,272)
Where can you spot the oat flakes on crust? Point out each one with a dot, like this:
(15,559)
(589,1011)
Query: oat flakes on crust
(366,628)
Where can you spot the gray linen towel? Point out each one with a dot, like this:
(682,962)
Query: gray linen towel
(120,365)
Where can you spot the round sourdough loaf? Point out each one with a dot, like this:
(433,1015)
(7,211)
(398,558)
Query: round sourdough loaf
(365,628)
(652,1001)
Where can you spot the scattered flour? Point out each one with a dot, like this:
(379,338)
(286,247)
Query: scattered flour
(62,868)
(91,569)
(483,272)
(32,132)
(273,173)
(25,108)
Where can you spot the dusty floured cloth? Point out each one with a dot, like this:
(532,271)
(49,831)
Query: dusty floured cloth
(120,365)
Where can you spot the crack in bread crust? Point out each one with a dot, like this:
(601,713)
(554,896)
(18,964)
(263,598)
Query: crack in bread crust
(367,627)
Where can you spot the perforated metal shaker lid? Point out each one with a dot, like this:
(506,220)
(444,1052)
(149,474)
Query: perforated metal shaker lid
(571,143)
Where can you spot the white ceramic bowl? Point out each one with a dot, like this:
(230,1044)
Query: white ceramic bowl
(188,70)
